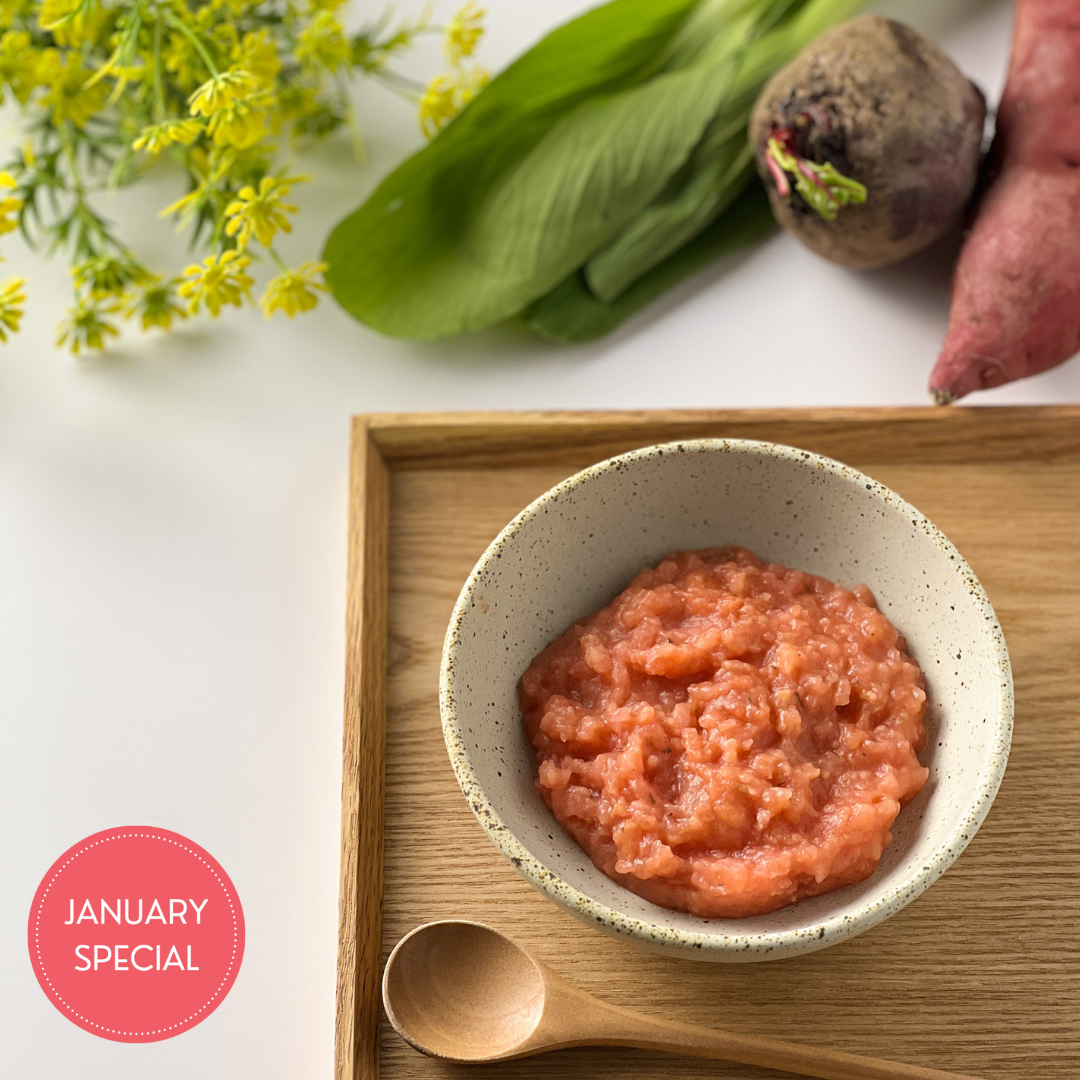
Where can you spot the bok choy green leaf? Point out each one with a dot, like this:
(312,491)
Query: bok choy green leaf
(571,313)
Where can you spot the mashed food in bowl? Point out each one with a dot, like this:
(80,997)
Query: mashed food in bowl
(727,737)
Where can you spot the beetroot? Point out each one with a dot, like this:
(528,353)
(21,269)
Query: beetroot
(868,143)
(1016,292)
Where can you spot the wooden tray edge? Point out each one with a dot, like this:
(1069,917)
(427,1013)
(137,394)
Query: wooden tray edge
(356,1035)
(931,434)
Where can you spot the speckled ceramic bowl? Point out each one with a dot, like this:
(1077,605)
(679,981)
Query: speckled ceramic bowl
(578,546)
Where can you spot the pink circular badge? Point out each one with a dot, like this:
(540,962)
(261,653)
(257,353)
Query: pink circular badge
(136,934)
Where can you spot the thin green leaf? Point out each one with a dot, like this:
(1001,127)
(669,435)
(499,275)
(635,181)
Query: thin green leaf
(570,313)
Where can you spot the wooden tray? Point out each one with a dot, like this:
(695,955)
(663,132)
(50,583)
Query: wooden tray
(980,975)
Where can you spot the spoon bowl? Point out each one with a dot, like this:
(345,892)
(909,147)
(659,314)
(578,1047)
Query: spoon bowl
(460,990)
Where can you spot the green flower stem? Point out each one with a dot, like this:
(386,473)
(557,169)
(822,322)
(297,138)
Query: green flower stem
(355,137)
(217,237)
(159,90)
(127,46)
(403,86)
(177,24)
(89,221)
(278,260)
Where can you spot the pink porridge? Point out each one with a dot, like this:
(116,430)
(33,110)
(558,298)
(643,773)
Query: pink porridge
(727,737)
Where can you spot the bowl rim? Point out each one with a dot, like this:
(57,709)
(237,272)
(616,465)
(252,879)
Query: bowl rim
(717,943)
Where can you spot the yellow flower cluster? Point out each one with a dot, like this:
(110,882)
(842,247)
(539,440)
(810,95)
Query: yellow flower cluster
(222,92)
(257,55)
(8,205)
(446,95)
(70,94)
(463,33)
(220,280)
(85,328)
(291,290)
(12,296)
(12,299)
(111,284)
(222,87)
(261,212)
(20,64)
(73,23)
(106,276)
(154,304)
(157,137)
(322,43)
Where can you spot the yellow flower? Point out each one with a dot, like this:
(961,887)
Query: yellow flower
(183,61)
(447,95)
(256,53)
(223,92)
(155,304)
(261,212)
(235,7)
(291,291)
(187,204)
(122,76)
(322,43)
(295,102)
(68,95)
(8,205)
(155,138)
(12,299)
(19,63)
(241,124)
(84,327)
(56,11)
(213,30)
(437,106)
(108,275)
(10,11)
(220,280)
(463,32)
(70,27)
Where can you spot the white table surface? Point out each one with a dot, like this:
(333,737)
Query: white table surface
(172,549)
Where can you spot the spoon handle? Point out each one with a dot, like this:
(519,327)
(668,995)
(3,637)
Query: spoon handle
(612,1026)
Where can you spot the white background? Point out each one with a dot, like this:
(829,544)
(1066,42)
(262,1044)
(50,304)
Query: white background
(172,546)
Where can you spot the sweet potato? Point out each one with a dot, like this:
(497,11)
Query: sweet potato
(1016,292)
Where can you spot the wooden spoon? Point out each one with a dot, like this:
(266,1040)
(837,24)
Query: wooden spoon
(463,992)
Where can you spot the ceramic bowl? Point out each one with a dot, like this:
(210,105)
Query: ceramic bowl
(576,547)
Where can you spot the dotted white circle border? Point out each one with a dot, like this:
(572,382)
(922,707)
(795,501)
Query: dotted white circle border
(82,848)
